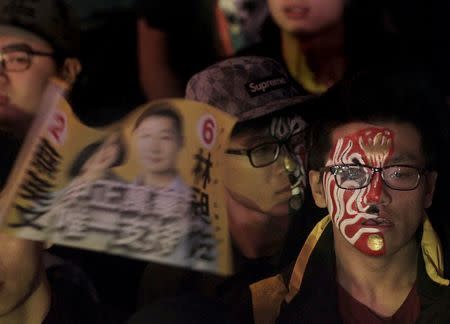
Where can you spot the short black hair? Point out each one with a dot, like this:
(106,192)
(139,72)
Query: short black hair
(383,94)
(87,152)
(164,109)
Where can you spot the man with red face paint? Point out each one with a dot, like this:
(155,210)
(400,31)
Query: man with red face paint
(375,258)
(353,189)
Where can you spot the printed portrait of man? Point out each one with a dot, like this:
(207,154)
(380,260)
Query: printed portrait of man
(158,139)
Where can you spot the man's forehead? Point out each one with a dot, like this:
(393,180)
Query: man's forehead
(22,35)
(249,136)
(351,129)
(404,137)
(157,122)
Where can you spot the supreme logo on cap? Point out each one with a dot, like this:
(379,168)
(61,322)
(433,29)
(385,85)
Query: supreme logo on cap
(262,86)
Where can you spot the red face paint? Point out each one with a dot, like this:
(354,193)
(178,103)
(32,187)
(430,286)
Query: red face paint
(349,208)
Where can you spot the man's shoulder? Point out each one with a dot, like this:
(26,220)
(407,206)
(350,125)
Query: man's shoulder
(435,308)
(303,287)
(433,288)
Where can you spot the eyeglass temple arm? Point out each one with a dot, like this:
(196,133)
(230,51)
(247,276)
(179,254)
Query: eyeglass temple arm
(237,152)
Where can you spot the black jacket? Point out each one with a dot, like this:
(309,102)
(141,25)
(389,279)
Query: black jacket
(307,293)
(74,300)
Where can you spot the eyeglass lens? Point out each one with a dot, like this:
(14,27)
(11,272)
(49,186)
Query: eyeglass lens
(264,154)
(395,177)
(16,60)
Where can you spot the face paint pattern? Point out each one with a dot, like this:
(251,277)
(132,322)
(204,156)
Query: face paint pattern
(350,208)
(282,128)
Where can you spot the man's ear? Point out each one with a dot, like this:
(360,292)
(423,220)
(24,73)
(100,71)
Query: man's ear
(70,70)
(317,189)
(430,183)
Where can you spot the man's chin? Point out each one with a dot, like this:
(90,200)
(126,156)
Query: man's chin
(261,252)
(278,208)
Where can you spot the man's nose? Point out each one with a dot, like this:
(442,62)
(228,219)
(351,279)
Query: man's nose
(375,190)
(154,145)
(285,162)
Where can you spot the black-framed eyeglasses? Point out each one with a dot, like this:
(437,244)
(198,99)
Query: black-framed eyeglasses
(267,153)
(355,176)
(18,57)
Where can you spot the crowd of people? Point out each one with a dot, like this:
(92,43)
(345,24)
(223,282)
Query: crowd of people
(335,171)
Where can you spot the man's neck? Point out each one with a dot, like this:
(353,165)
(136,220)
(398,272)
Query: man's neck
(255,233)
(162,179)
(380,283)
(34,309)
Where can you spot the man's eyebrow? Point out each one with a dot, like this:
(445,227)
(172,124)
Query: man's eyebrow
(17,46)
(403,158)
(356,161)
(169,130)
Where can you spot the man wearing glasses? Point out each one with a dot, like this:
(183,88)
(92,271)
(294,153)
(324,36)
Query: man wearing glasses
(264,183)
(264,174)
(38,40)
(264,170)
(375,258)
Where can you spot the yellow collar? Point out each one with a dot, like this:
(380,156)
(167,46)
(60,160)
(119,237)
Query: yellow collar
(431,251)
(297,66)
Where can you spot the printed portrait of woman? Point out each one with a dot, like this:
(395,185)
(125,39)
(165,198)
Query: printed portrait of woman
(95,161)
(90,168)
